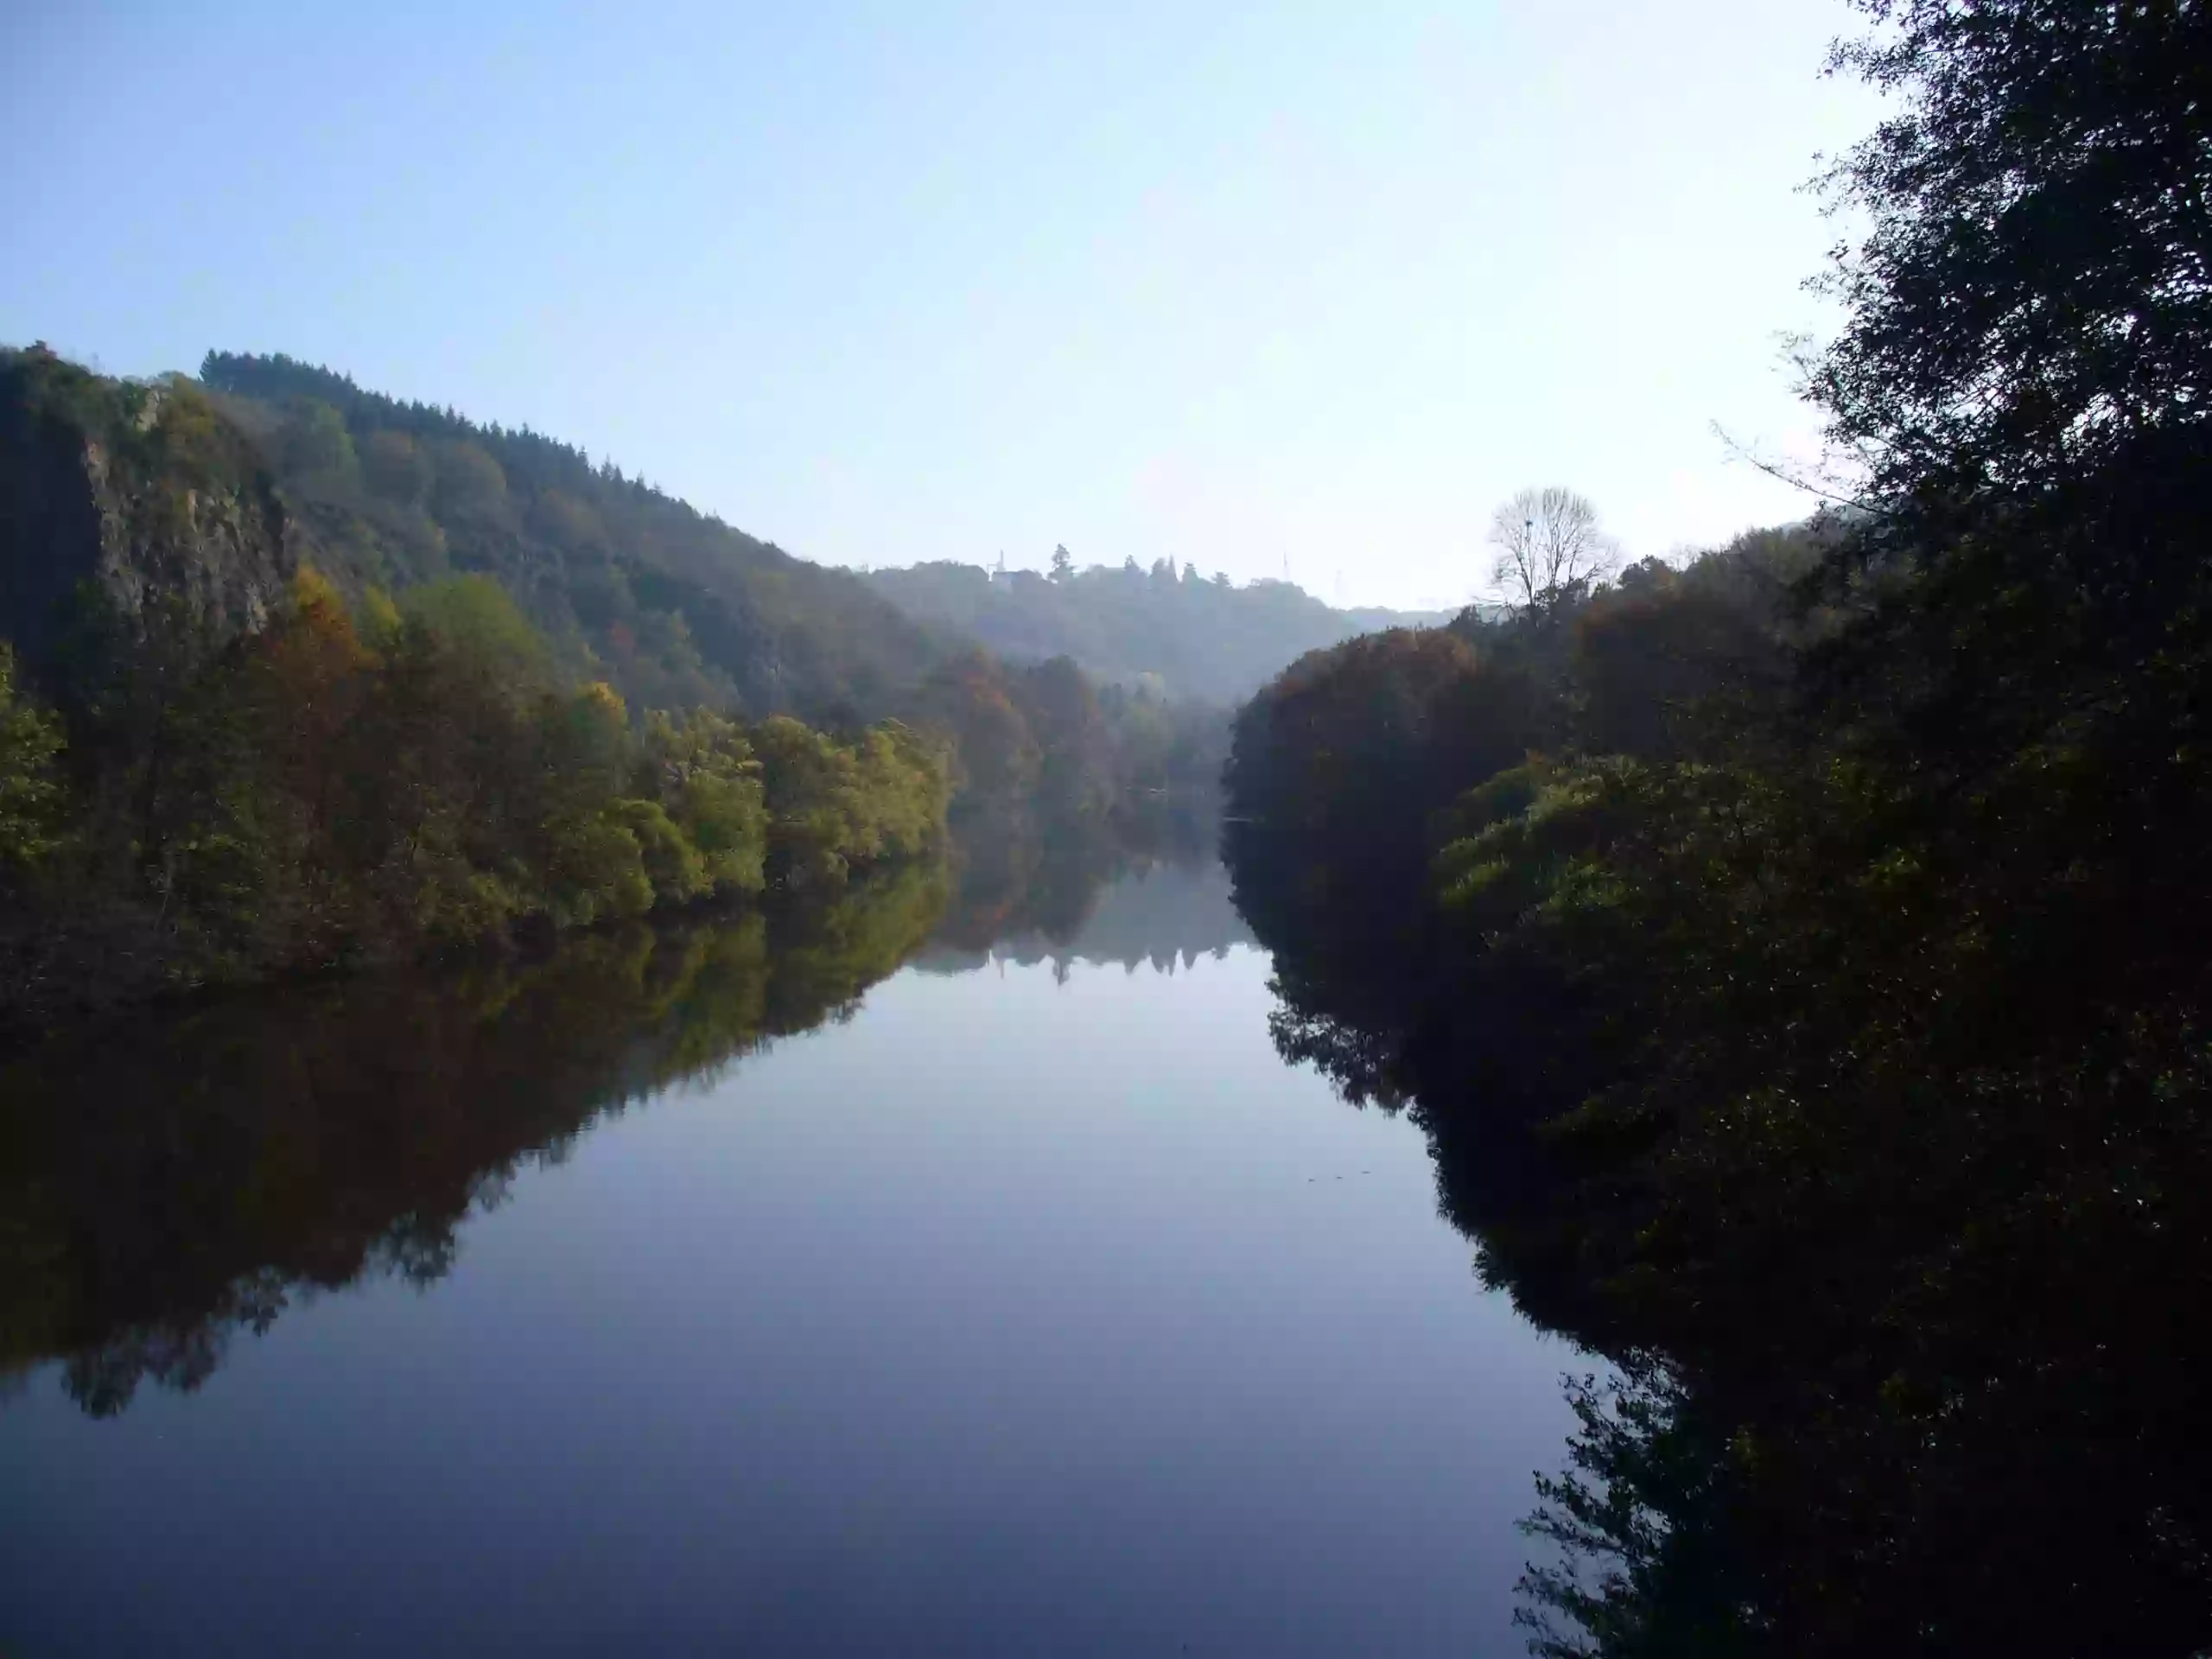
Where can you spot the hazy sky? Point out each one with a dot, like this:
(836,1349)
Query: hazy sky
(1233,284)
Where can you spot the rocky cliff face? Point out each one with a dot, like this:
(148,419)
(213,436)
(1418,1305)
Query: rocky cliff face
(139,502)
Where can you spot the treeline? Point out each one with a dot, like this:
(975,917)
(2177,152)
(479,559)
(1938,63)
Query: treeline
(334,789)
(1350,771)
(1799,960)
(1173,633)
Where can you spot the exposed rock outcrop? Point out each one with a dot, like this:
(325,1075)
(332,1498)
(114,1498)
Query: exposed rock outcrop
(131,500)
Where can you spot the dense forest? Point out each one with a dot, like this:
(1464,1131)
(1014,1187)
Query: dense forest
(1204,640)
(674,609)
(1798,959)
(266,704)
(228,769)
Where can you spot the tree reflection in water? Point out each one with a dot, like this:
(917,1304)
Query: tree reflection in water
(168,1180)
(1940,1396)
(171,1181)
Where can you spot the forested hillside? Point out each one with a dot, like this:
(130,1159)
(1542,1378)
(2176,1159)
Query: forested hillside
(671,606)
(675,610)
(1207,640)
(215,765)
(272,698)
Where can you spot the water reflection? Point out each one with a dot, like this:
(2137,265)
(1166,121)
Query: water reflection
(1160,914)
(1935,1391)
(1006,1316)
(170,1181)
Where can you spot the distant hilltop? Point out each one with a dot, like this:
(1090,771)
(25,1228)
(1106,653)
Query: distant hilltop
(1190,636)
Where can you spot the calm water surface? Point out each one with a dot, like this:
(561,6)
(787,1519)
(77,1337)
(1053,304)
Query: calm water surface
(1025,1304)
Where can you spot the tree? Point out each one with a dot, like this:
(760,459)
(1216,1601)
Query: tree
(973,702)
(315,443)
(1075,769)
(1063,565)
(2023,370)
(2032,287)
(477,618)
(396,468)
(1550,547)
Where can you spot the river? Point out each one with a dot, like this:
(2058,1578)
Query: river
(897,1281)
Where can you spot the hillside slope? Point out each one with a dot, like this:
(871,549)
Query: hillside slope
(674,607)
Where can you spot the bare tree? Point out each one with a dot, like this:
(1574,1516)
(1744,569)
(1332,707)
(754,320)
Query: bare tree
(1548,546)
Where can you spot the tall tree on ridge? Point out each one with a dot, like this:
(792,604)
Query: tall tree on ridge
(1550,547)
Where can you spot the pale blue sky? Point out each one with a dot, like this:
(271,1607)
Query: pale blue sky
(1229,283)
